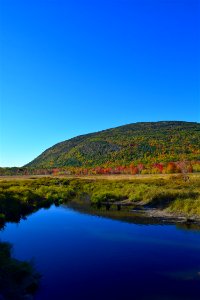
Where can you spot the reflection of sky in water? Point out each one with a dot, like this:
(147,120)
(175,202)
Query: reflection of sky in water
(89,257)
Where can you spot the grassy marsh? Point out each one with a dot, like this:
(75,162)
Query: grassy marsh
(169,194)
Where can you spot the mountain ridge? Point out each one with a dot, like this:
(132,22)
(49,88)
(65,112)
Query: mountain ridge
(143,142)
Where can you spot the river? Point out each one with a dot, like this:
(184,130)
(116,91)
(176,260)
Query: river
(83,256)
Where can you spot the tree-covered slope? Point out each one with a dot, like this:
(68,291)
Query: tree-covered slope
(139,142)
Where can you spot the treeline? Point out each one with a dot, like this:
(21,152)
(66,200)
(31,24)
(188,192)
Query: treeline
(183,167)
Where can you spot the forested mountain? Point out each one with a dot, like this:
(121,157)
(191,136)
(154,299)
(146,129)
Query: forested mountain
(151,142)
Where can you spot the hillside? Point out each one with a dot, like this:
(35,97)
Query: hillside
(138,143)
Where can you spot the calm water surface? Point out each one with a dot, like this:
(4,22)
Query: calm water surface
(87,257)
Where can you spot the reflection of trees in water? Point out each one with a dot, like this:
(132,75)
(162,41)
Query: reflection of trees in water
(124,214)
(13,210)
(189,226)
(18,279)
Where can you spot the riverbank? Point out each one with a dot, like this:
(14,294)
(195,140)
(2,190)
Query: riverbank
(156,196)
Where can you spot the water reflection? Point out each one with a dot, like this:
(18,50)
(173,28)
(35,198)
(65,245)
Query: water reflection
(126,214)
(83,254)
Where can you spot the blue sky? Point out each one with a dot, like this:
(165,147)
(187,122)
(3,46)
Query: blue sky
(73,67)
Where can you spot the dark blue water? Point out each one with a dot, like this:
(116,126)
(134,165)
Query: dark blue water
(88,257)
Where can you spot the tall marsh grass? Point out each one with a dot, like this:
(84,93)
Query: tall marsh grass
(18,197)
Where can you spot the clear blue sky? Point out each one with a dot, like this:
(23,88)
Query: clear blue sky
(73,67)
